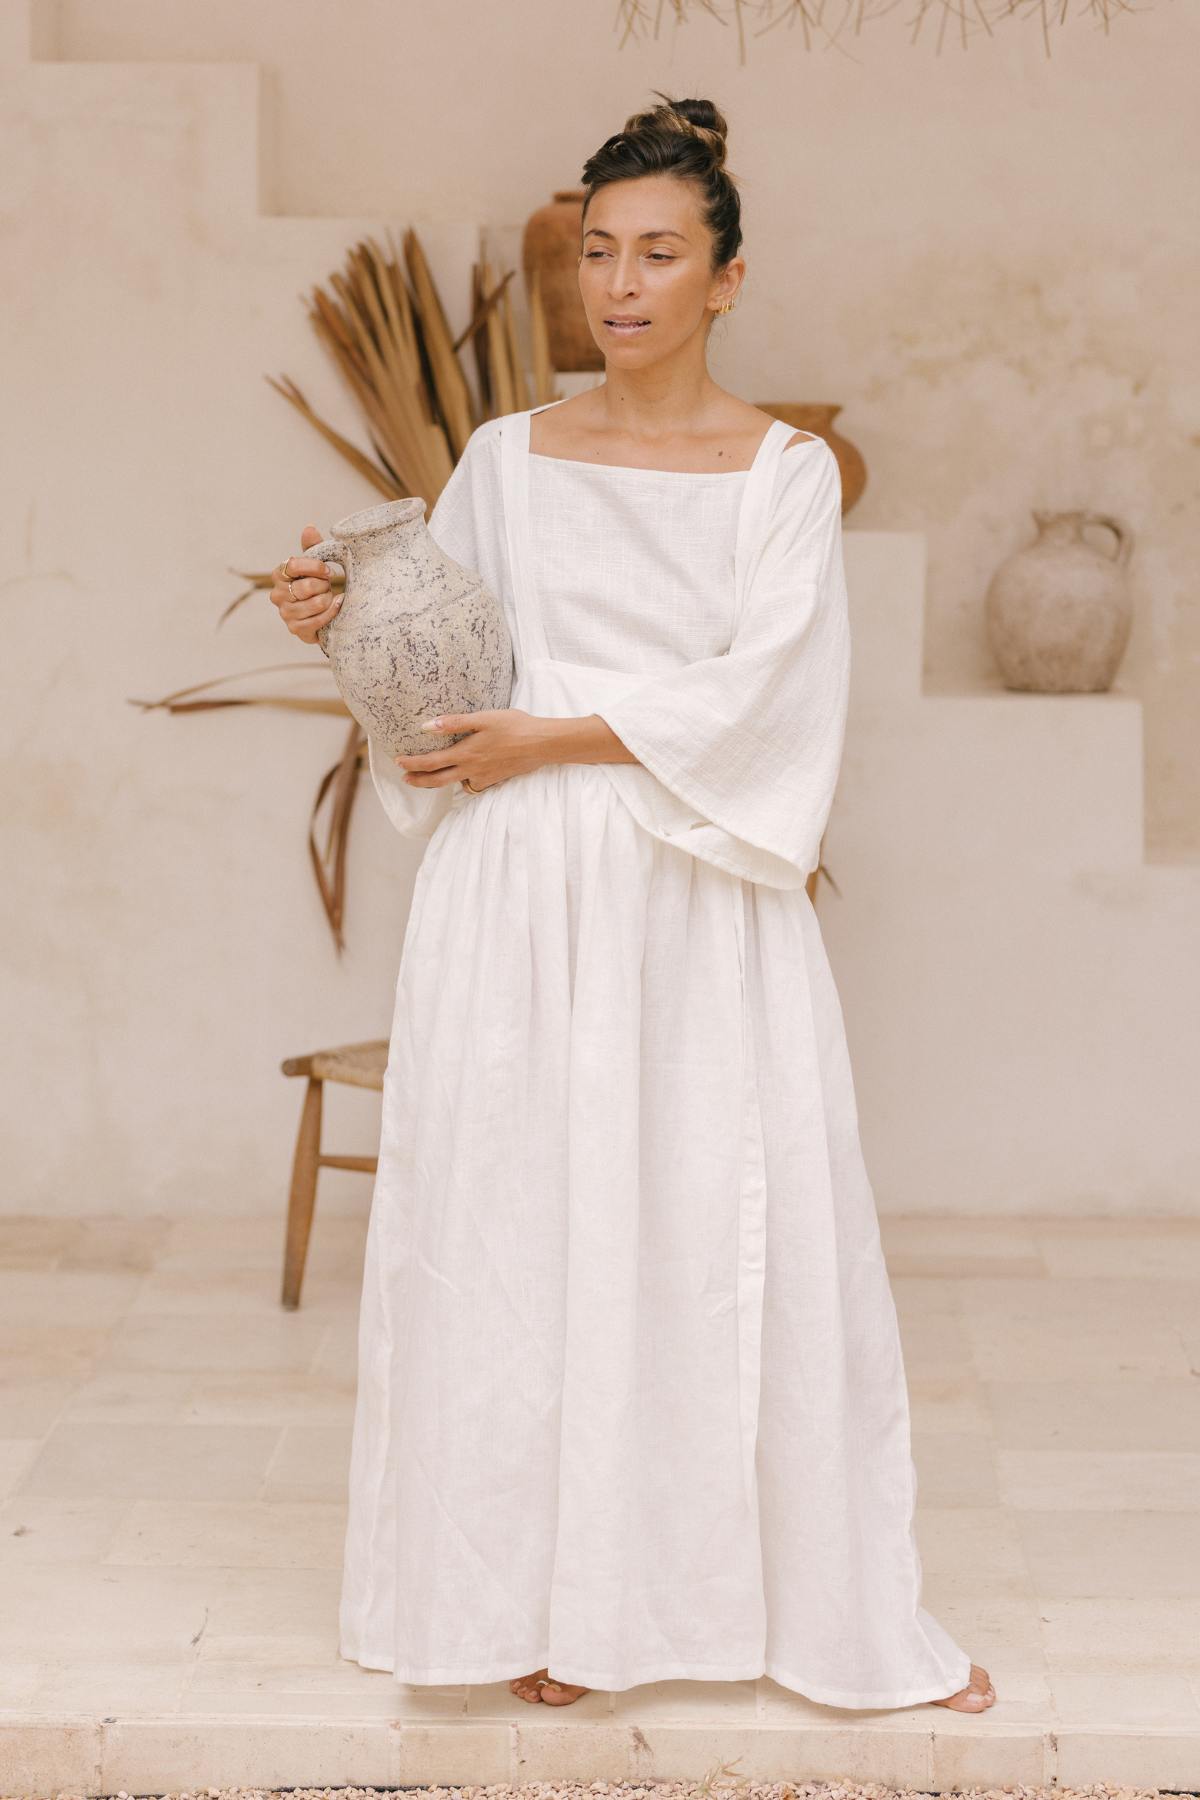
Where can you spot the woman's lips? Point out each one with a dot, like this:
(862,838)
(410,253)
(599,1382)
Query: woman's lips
(627,330)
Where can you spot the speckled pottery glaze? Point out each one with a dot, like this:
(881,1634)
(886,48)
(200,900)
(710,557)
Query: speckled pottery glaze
(1058,613)
(416,635)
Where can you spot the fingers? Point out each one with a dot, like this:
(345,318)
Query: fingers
(306,600)
(310,535)
(306,568)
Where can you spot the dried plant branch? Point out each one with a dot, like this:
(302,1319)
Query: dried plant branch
(381,321)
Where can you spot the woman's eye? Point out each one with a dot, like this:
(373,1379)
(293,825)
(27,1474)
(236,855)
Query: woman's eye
(655,255)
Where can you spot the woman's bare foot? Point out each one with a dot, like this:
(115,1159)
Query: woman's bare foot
(539,1686)
(977,1697)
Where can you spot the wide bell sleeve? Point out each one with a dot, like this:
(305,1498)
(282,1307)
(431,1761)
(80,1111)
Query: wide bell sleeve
(416,812)
(739,753)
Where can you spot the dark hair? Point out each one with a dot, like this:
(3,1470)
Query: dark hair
(685,138)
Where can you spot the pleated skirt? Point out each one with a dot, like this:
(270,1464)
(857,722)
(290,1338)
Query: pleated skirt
(631,1396)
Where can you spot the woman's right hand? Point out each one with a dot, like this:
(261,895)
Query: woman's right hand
(310,601)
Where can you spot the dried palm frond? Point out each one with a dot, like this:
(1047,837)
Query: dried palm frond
(329,866)
(544,386)
(382,322)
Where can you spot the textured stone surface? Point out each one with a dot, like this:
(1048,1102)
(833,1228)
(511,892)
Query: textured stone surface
(417,634)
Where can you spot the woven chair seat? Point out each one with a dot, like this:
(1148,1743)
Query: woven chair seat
(358,1065)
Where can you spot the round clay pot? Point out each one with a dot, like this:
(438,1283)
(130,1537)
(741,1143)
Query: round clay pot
(416,634)
(1058,613)
(551,246)
(817,417)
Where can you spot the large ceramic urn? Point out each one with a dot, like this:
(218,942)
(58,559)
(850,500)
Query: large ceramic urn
(817,416)
(417,634)
(551,245)
(1058,613)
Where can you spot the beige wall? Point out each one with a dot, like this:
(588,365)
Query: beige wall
(986,255)
(1003,319)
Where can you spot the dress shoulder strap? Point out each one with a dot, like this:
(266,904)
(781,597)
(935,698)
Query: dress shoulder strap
(755,510)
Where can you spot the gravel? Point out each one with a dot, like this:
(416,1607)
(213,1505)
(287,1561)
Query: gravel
(708,1789)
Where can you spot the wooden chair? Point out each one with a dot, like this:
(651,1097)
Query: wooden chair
(358,1065)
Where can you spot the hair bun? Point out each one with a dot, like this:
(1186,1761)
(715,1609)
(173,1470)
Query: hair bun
(690,118)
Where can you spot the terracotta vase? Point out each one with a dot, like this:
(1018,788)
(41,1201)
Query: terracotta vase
(818,417)
(551,246)
(416,635)
(1058,613)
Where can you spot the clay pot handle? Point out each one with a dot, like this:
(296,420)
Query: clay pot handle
(1124,544)
(330,551)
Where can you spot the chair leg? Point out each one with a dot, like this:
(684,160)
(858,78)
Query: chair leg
(303,1196)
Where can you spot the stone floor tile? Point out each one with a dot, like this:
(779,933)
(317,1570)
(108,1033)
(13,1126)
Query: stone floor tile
(1120,1415)
(1162,1697)
(17,1456)
(57,1530)
(58,1757)
(30,1405)
(1042,1331)
(219,1342)
(310,1464)
(920,1296)
(92,1611)
(980,1751)
(147,1756)
(1150,1759)
(222,1462)
(108,1687)
(1088,1634)
(84,1296)
(132,1245)
(271,1397)
(689,1700)
(984,1613)
(313,1677)
(29,1242)
(1165,1253)
(933,1343)
(198,1293)
(965,1540)
(954,1468)
(274,1603)
(957,1403)
(124,1396)
(1091,1555)
(250,1534)
(1145,1481)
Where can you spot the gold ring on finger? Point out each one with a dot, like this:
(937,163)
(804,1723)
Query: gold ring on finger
(281,570)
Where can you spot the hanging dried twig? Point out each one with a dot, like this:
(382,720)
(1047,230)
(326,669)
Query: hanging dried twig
(830,22)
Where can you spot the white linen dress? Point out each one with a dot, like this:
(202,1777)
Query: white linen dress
(631,1398)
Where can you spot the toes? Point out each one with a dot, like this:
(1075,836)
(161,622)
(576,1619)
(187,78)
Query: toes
(527,1687)
(561,1693)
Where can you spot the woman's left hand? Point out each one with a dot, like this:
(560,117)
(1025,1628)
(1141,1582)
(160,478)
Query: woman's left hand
(500,743)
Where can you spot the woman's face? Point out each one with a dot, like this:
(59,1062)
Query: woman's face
(646,257)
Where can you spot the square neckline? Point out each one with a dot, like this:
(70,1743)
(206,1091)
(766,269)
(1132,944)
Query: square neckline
(574,462)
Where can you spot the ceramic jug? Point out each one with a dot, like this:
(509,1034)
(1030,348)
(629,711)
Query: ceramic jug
(1058,613)
(417,634)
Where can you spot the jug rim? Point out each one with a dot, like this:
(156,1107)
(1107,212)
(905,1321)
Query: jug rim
(369,520)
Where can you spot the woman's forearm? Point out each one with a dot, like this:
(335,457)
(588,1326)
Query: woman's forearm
(584,740)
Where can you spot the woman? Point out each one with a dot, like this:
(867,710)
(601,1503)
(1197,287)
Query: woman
(631,1399)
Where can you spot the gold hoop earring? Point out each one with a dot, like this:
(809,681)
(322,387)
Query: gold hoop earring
(728,306)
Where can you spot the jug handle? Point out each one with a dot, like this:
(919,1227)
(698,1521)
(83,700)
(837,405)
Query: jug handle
(330,551)
(1122,533)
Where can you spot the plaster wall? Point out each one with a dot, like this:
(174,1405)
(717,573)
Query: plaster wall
(163,205)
